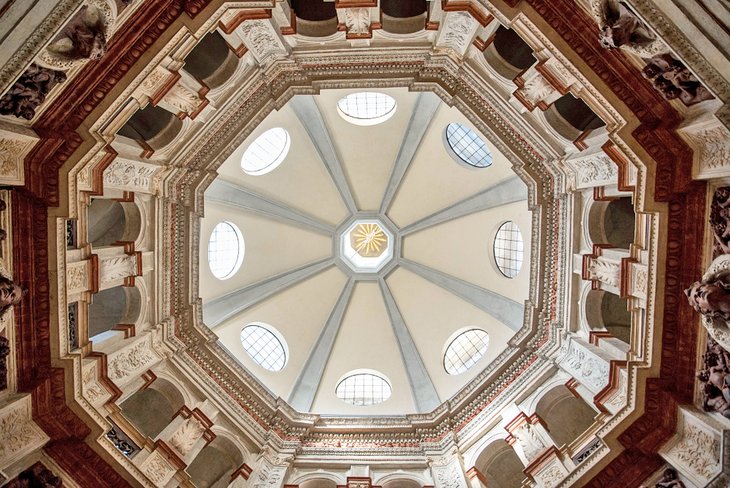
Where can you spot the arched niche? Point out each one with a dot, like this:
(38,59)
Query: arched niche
(315,18)
(513,48)
(592,305)
(508,54)
(318,483)
(401,483)
(403,17)
(565,415)
(152,409)
(570,117)
(110,222)
(213,466)
(499,463)
(154,125)
(211,61)
(114,306)
(616,317)
(612,222)
(619,221)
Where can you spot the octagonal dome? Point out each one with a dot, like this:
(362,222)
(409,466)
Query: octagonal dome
(368,251)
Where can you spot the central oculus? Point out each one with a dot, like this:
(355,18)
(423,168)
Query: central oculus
(366,245)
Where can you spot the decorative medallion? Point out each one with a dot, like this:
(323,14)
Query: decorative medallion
(368,240)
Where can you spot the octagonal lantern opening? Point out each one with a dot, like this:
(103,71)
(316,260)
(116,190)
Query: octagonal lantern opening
(366,246)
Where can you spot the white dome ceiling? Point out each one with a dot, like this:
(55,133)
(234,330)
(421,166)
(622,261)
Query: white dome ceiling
(399,320)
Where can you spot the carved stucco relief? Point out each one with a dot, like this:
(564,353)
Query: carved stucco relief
(696,453)
(585,366)
(92,390)
(157,469)
(116,268)
(606,272)
(711,144)
(551,476)
(19,435)
(457,32)
(14,147)
(262,40)
(594,170)
(77,277)
(126,362)
(447,472)
(187,435)
(357,21)
(131,175)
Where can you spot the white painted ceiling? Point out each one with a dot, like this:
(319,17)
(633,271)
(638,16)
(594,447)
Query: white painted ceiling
(432,312)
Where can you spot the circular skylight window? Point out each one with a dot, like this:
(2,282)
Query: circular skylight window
(508,249)
(265,346)
(266,152)
(366,108)
(465,146)
(363,388)
(465,350)
(225,250)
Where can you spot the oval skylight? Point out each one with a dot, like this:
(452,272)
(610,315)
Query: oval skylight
(225,250)
(508,249)
(366,108)
(465,351)
(266,152)
(363,389)
(465,146)
(264,345)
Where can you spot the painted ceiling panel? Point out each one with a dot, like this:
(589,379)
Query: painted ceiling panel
(271,248)
(365,341)
(367,152)
(298,313)
(444,246)
(433,321)
(435,180)
(301,181)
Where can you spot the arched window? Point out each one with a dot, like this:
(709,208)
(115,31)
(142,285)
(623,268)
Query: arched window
(265,346)
(465,350)
(363,388)
(509,249)
(225,250)
(366,108)
(466,147)
(266,152)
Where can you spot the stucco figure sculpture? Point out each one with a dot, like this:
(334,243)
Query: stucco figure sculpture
(622,27)
(673,80)
(37,476)
(711,298)
(720,220)
(84,37)
(29,91)
(10,294)
(715,379)
(670,479)
(4,353)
